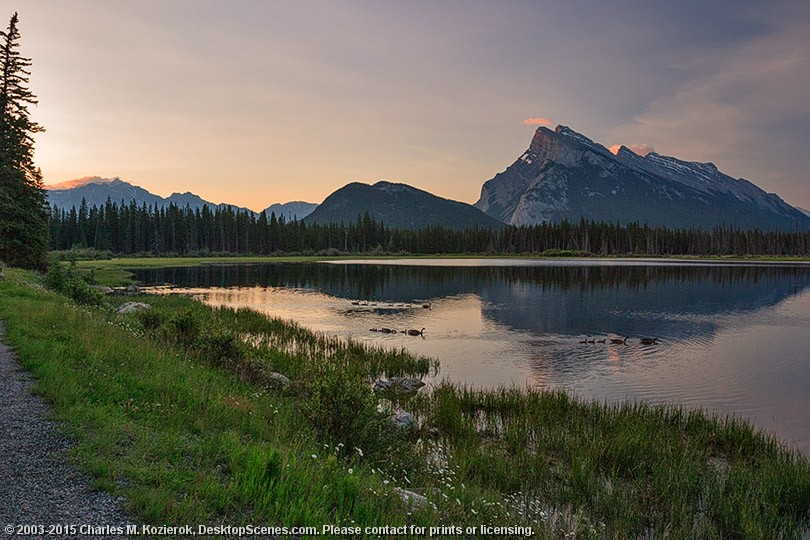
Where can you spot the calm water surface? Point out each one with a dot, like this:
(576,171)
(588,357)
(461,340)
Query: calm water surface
(733,338)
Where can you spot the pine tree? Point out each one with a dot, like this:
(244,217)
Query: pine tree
(23,210)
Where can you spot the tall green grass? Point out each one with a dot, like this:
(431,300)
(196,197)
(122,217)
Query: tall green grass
(631,467)
(181,440)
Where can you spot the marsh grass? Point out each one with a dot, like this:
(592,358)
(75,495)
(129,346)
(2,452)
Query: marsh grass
(271,344)
(631,467)
(171,409)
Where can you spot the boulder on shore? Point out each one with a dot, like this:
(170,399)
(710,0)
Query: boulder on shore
(402,420)
(132,307)
(412,499)
(399,384)
(103,289)
(278,380)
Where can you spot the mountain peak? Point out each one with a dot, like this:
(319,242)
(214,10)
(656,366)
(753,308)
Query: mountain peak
(566,175)
(397,205)
(570,134)
(565,130)
(563,143)
(392,187)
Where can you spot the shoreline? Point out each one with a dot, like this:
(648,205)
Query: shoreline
(158,408)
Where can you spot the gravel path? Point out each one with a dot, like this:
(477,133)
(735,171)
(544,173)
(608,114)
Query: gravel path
(37,486)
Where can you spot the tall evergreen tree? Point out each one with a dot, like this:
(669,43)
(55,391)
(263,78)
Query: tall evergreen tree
(23,210)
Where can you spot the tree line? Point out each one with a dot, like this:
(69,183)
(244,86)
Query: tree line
(129,229)
(28,228)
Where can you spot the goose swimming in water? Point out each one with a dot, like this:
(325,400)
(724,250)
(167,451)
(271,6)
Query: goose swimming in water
(649,341)
(616,341)
(416,332)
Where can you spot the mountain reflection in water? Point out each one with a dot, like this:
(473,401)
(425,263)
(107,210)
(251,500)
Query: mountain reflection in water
(732,338)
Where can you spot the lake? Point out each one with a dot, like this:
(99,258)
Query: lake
(732,338)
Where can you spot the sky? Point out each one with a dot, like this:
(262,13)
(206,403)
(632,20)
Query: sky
(253,102)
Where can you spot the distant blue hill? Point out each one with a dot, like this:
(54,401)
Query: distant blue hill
(96,190)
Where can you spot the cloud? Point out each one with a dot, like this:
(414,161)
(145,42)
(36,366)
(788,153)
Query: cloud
(640,149)
(83,181)
(536,121)
(747,111)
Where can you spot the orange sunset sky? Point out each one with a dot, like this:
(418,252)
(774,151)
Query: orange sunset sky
(255,102)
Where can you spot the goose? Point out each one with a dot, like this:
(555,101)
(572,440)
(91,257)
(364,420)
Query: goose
(417,332)
(355,302)
(601,341)
(649,341)
(426,306)
(373,330)
(387,331)
(616,341)
(584,341)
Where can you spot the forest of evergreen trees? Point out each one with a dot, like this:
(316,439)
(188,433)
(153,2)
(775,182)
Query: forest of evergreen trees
(131,229)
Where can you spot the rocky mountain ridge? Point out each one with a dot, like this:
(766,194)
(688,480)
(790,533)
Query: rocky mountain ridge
(565,175)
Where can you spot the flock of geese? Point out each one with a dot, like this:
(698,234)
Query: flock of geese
(617,341)
(410,332)
(414,332)
(383,330)
(389,304)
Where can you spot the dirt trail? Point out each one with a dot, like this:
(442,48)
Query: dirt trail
(37,484)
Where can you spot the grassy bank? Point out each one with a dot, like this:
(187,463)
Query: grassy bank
(178,409)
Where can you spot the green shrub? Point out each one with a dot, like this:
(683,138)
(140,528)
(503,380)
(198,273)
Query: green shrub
(67,281)
(183,327)
(221,348)
(83,293)
(56,277)
(344,408)
(151,319)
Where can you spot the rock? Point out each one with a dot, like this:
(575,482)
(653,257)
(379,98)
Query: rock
(399,384)
(402,420)
(103,289)
(133,289)
(413,500)
(278,380)
(382,384)
(132,307)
